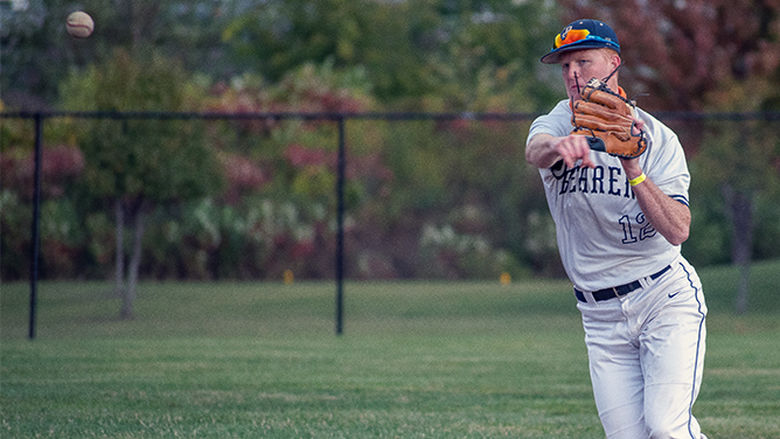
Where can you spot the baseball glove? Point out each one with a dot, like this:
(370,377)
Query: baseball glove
(606,118)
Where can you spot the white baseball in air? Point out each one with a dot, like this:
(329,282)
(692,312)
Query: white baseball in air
(80,24)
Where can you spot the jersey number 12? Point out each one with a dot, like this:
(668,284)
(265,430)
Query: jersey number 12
(645,229)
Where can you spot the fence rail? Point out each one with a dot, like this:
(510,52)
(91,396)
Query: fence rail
(340,118)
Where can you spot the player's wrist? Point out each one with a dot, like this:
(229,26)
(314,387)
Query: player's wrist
(631,168)
(634,174)
(637,180)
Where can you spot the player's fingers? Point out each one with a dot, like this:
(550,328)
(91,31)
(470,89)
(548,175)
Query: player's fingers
(581,150)
(574,148)
(565,149)
(586,161)
(585,154)
(567,158)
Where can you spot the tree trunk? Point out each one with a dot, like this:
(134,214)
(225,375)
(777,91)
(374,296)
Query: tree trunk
(119,268)
(128,298)
(740,210)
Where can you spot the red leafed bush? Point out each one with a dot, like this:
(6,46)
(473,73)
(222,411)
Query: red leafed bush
(300,156)
(58,164)
(242,175)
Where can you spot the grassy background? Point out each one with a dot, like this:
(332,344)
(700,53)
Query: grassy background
(417,359)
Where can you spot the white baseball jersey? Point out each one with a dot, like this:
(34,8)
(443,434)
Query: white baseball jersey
(603,237)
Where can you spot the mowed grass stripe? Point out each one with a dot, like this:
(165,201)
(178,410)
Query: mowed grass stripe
(417,359)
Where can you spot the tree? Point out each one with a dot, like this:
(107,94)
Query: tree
(684,55)
(434,52)
(137,164)
(37,53)
(721,55)
(746,155)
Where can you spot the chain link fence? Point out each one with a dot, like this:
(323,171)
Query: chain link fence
(329,195)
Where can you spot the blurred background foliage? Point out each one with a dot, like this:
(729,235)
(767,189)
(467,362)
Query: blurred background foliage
(251,198)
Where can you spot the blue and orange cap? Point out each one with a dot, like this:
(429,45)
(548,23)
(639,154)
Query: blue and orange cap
(582,34)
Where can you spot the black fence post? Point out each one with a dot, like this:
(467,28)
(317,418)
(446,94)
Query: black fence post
(35,243)
(340,229)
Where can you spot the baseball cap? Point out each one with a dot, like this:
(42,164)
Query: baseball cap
(582,34)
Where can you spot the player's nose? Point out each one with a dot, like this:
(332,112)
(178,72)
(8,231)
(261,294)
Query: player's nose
(572,75)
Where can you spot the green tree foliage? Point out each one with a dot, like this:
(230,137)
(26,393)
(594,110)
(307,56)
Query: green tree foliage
(137,164)
(431,54)
(739,201)
(444,52)
(37,53)
(156,160)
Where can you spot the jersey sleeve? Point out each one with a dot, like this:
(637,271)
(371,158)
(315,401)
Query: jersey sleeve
(665,162)
(555,123)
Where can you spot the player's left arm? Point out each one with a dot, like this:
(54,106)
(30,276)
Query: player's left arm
(669,217)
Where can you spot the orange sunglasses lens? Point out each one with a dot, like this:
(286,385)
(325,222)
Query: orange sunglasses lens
(572,36)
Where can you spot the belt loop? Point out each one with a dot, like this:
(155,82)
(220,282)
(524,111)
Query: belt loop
(660,273)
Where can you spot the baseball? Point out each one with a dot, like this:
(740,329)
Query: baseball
(80,24)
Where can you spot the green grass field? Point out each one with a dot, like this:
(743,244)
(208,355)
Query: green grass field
(416,360)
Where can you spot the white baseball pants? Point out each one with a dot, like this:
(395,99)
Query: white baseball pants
(646,354)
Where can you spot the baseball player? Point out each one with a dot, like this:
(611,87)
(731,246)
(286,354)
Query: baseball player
(620,222)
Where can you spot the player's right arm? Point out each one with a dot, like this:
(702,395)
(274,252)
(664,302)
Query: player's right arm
(544,150)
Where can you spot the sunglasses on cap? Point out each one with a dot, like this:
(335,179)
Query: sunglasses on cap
(577,35)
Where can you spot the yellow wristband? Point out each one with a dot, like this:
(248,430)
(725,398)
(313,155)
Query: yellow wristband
(642,177)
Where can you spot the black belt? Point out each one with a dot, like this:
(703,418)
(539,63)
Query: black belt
(620,290)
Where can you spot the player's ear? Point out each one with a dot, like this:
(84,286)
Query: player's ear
(612,57)
(615,59)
